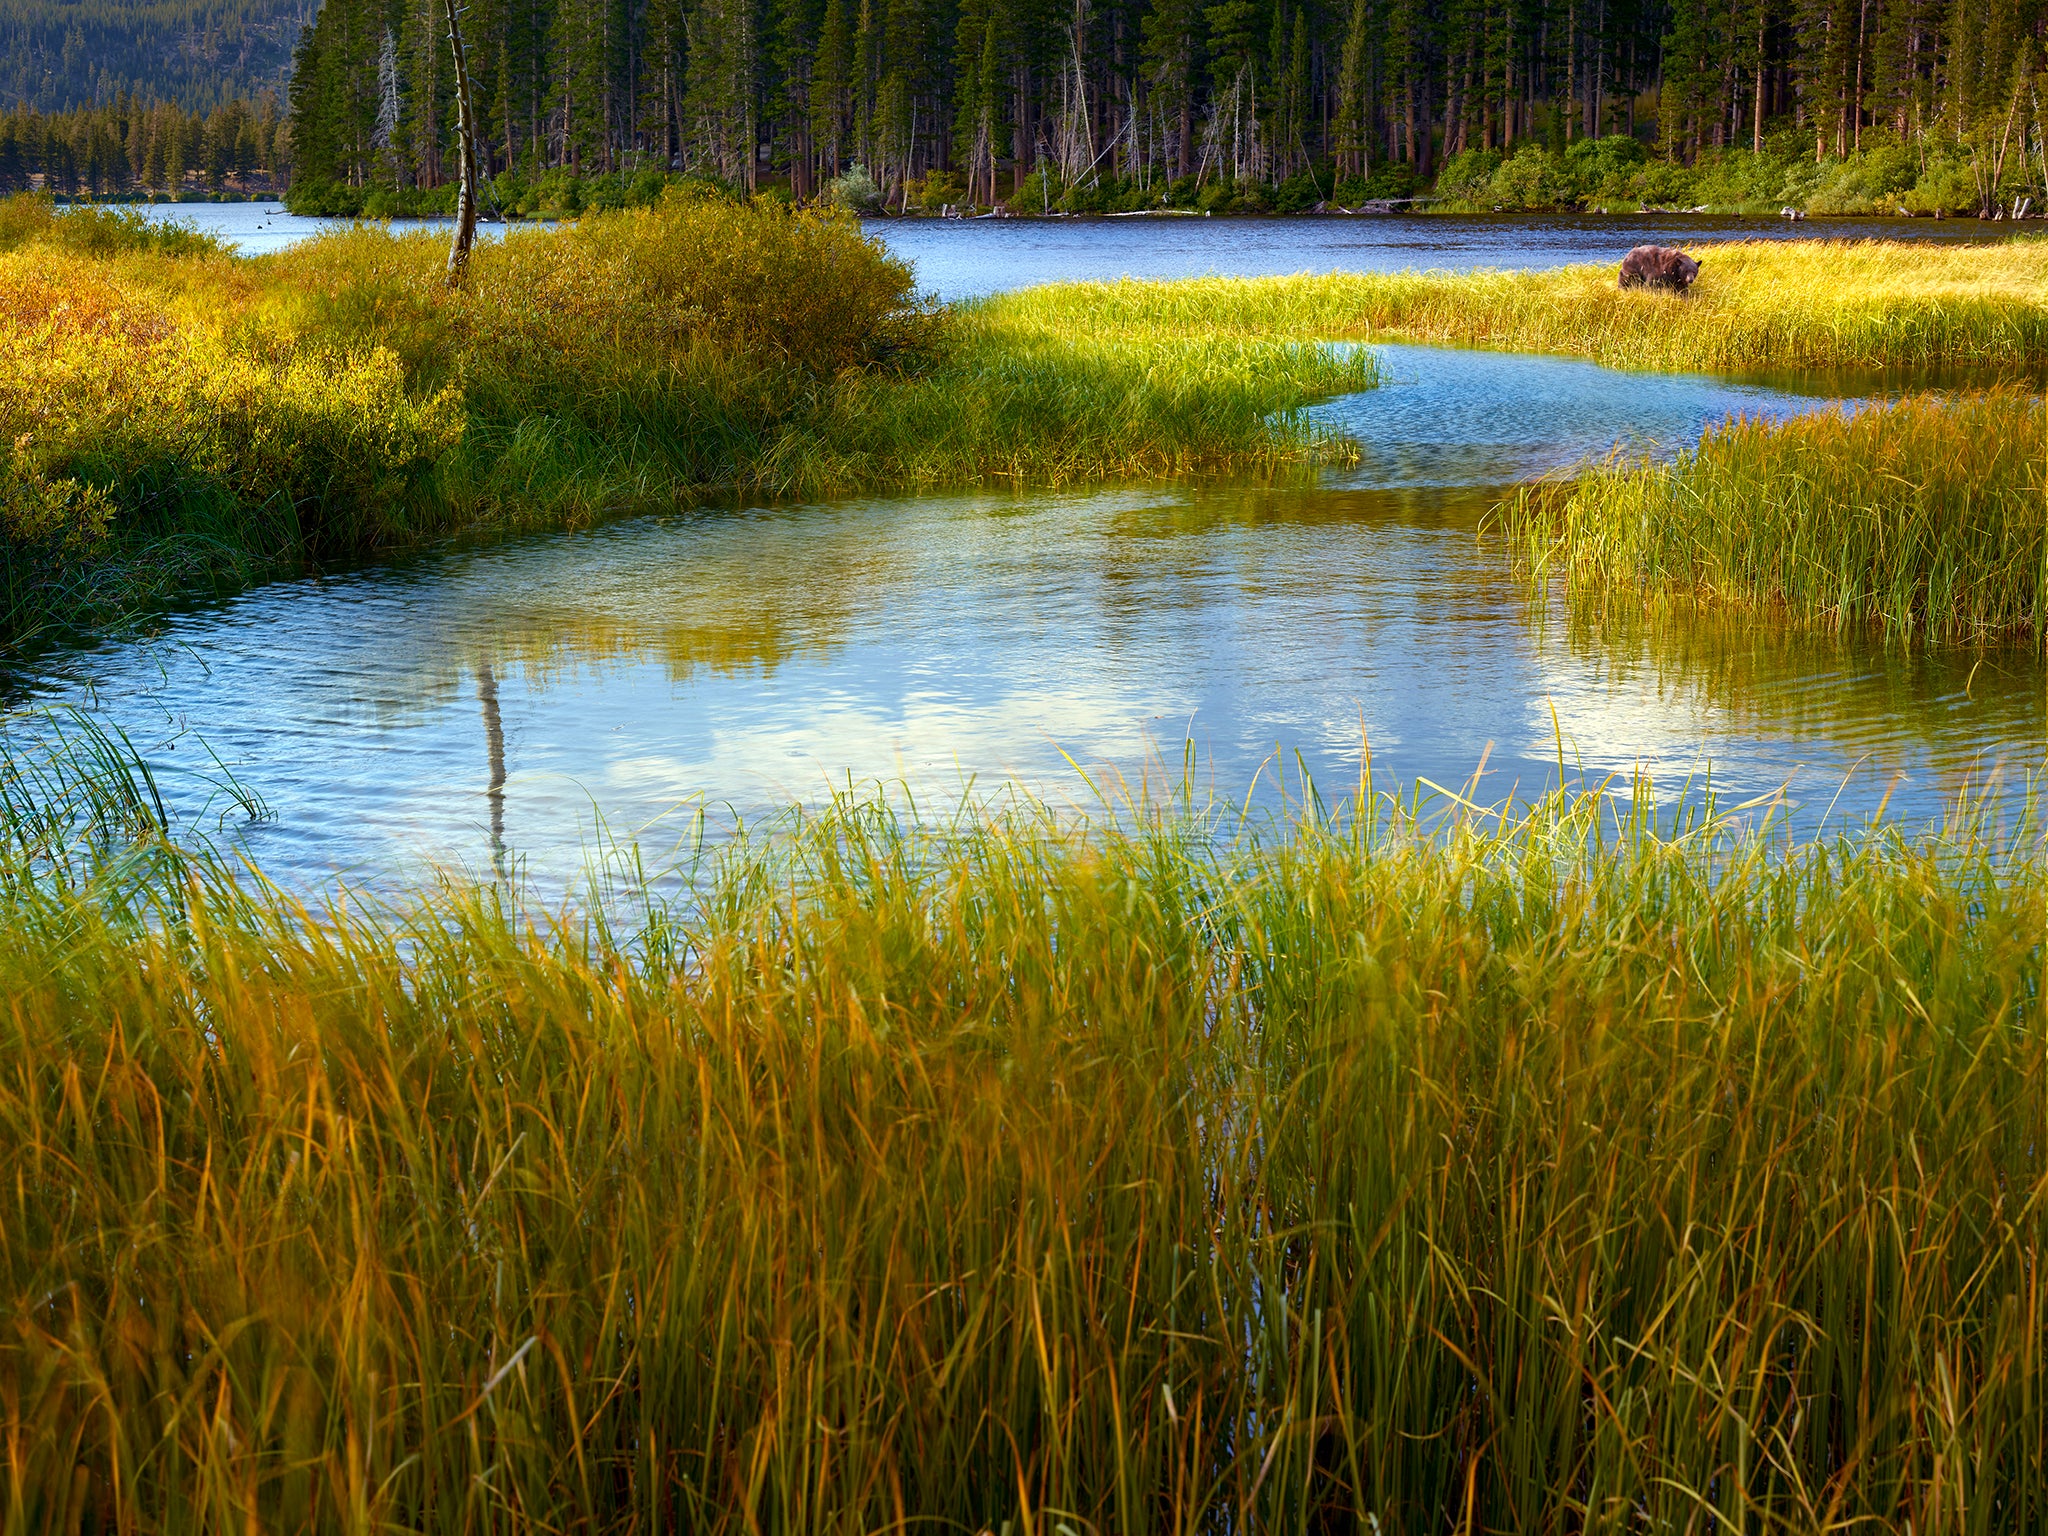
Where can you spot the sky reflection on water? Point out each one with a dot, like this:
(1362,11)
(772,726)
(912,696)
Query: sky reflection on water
(736,660)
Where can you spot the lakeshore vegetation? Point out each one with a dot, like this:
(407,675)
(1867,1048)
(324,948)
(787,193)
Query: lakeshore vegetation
(1921,519)
(178,420)
(1542,1173)
(1574,1169)
(176,417)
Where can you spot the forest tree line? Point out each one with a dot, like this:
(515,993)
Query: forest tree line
(1145,94)
(129,146)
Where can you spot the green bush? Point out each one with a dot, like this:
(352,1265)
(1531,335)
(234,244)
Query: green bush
(1661,184)
(856,191)
(1467,178)
(1533,180)
(1875,181)
(323,199)
(1945,187)
(1602,169)
(1303,190)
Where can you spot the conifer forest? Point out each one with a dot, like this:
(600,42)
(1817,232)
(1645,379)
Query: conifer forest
(131,144)
(1134,96)
(56,55)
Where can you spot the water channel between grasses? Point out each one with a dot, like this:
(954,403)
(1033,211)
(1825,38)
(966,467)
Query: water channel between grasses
(497,705)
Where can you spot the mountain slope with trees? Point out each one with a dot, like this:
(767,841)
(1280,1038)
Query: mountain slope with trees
(56,55)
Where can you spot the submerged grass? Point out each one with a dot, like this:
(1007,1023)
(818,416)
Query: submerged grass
(1008,1174)
(1923,518)
(176,417)
(1758,305)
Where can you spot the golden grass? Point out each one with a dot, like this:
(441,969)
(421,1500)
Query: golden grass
(178,418)
(1553,1175)
(1762,304)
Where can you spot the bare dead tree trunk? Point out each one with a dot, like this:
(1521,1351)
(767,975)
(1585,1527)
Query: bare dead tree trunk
(465,131)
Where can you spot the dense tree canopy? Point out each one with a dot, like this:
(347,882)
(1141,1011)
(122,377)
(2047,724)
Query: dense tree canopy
(1040,101)
(987,92)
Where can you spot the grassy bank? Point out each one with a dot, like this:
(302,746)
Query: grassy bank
(177,417)
(1922,519)
(1758,305)
(1011,1175)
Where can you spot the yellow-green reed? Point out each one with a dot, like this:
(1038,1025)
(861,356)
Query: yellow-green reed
(1920,518)
(1008,1174)
(1760,304)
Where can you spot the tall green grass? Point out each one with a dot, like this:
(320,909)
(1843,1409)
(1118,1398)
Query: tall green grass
(1925,518)
(1009,1174)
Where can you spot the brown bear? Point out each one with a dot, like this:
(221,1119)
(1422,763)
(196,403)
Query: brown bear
(1658,266)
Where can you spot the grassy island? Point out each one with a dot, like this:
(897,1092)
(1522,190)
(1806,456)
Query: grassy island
(178,417)
(1759,305)
(1923,519)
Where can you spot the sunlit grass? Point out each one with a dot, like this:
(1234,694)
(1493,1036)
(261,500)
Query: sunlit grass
(1924,518)
(1544,1175)
(1762,304)
(176,417)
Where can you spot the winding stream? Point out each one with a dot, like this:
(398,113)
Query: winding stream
(497,705)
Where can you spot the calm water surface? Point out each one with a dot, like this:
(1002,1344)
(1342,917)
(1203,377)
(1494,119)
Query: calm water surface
(496,705)
(962,258)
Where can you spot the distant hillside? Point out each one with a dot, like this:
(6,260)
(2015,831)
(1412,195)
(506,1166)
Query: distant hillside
(56,54)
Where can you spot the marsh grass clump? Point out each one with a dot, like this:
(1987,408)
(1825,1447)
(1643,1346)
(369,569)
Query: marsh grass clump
(1924,518)
(173,419)
(1537,1174)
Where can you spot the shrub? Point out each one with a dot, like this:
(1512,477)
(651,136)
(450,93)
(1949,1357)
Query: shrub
(558,194)
(1945,187)
(938,189)
(1303,190)
(298,404)
(1662,184)
(1467,178)
(1603,169)
(323,199)
(1532,179)
(1389,179)
(1875,181)
(856,191)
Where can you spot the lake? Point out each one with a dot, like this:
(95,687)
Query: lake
(965,258)
(498,706)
